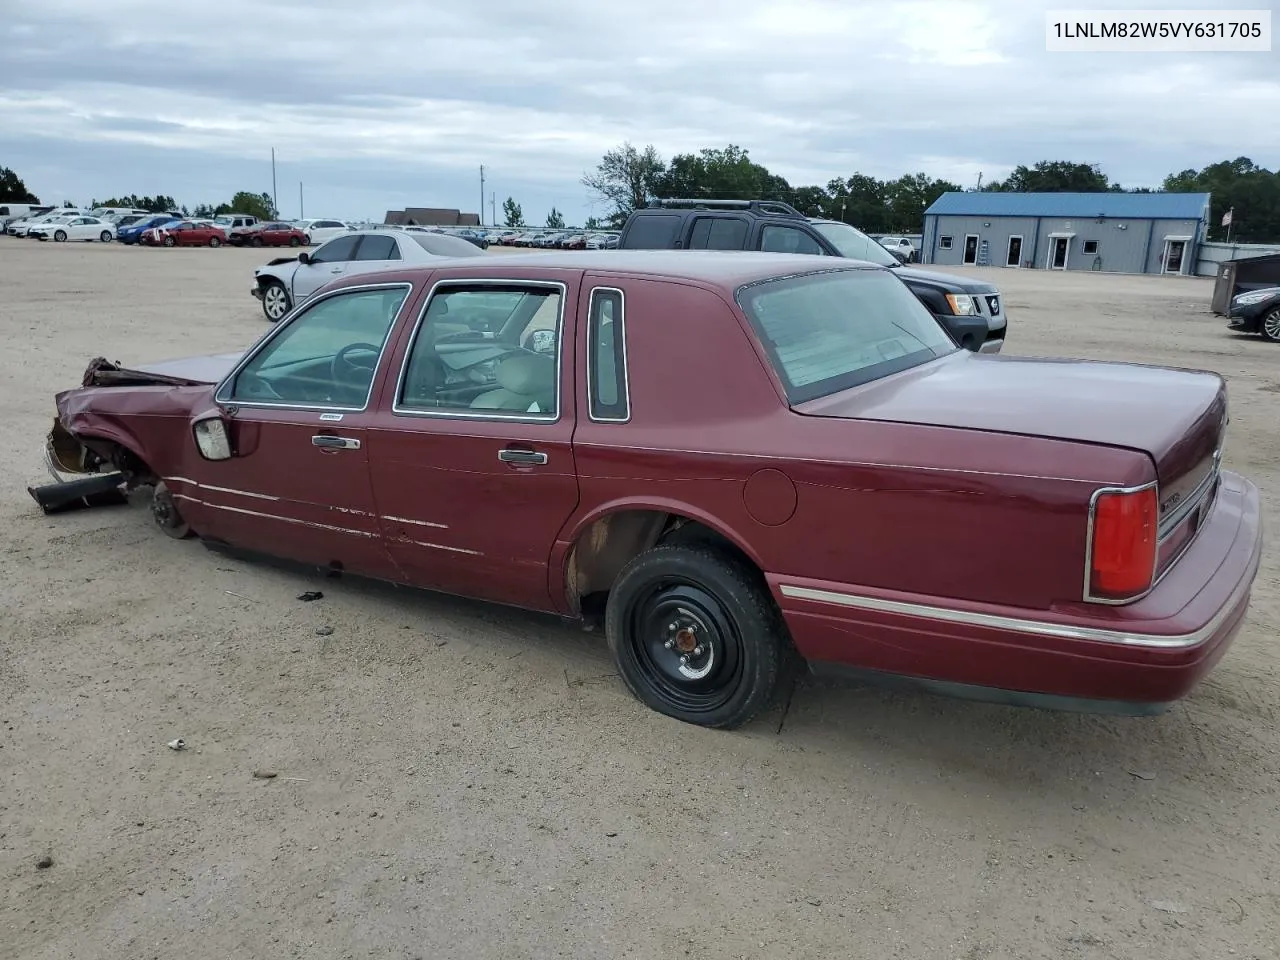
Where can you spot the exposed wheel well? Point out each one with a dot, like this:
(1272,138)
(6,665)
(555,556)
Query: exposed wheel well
(607,545)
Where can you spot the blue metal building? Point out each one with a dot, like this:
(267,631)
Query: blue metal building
(1117,232)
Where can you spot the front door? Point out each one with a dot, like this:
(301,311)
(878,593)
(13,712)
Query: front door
(1174,250)
(298,485)
(1013,258)
(329,262)
(971,248)
(1058,254)
(473,470)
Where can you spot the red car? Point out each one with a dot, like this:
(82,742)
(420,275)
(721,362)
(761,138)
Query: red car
(733,458)
(184,234)
(268,235)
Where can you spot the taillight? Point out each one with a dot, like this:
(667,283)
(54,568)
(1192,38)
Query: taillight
(1122,551)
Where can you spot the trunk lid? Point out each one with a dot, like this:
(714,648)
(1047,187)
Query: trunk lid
(1177,417)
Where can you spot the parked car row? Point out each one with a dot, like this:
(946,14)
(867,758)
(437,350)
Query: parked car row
(552,240)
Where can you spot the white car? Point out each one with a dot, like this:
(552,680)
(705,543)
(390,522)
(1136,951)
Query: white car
(288,281)
(74,228)
(322,231)
(900,247)
(21,228)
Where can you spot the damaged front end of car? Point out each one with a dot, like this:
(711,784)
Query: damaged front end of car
(96,470)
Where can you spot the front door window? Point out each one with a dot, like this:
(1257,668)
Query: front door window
(326,357)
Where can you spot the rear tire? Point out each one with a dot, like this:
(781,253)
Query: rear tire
(696,635)
(215,242)
(295,242)
(1270,326)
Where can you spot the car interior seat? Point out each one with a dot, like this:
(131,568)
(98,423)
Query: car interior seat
(526,383)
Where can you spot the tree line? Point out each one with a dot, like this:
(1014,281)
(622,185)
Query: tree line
(628,177)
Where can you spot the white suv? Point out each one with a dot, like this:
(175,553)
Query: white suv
(900,247)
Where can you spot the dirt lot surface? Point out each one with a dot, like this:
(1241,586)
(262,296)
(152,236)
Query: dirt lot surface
(457,780)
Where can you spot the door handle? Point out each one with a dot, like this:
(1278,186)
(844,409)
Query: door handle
(329,442)
(335,270)
(528,457)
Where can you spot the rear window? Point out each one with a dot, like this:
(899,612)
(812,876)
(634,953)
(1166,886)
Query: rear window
(654,231)
(826,332)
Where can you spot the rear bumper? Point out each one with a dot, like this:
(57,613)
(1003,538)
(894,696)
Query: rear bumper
(1132,659)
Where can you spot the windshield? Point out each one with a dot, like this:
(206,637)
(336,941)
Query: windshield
(826,332)
(854,243)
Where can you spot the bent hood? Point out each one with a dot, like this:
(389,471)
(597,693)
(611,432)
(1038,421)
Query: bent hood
(1177,417)
(186,371)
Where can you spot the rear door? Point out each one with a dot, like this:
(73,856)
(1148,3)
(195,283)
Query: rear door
(329,262)
(473,466)
(713,232)
(376,252)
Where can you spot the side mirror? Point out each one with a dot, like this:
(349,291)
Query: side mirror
(212,440)
(304,257)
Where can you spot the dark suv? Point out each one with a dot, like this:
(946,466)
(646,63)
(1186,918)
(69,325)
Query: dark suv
(972,311)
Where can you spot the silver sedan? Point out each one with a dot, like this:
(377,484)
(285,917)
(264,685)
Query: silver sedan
(288,281)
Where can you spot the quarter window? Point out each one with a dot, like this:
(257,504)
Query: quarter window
(326,356)
(607,358)
(776,239)
(944,243)
(488,351)
(337,251)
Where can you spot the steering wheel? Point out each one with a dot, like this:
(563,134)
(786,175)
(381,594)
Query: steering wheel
(343,365)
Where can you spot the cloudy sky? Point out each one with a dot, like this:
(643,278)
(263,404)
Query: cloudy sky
(382,105)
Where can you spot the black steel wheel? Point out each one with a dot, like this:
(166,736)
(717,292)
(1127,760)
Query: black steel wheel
(696,635)
(166,514)
(1270,326)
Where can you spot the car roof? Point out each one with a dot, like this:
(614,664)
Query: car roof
(726,270)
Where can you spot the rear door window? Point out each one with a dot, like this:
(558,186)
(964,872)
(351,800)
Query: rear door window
(718,233)
(379,248)
(654,231)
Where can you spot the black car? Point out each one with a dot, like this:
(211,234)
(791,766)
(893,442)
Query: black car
(971,310)
(1256,311)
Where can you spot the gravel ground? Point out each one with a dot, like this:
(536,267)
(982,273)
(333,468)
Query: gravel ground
(459,780)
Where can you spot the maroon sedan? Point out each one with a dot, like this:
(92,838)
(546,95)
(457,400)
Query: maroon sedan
(185,234)
(840,481)
(268,235)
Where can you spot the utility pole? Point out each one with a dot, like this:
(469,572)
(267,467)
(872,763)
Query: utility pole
(302,210)
(979,180)
(274,202)
(493,208)
(482,194)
